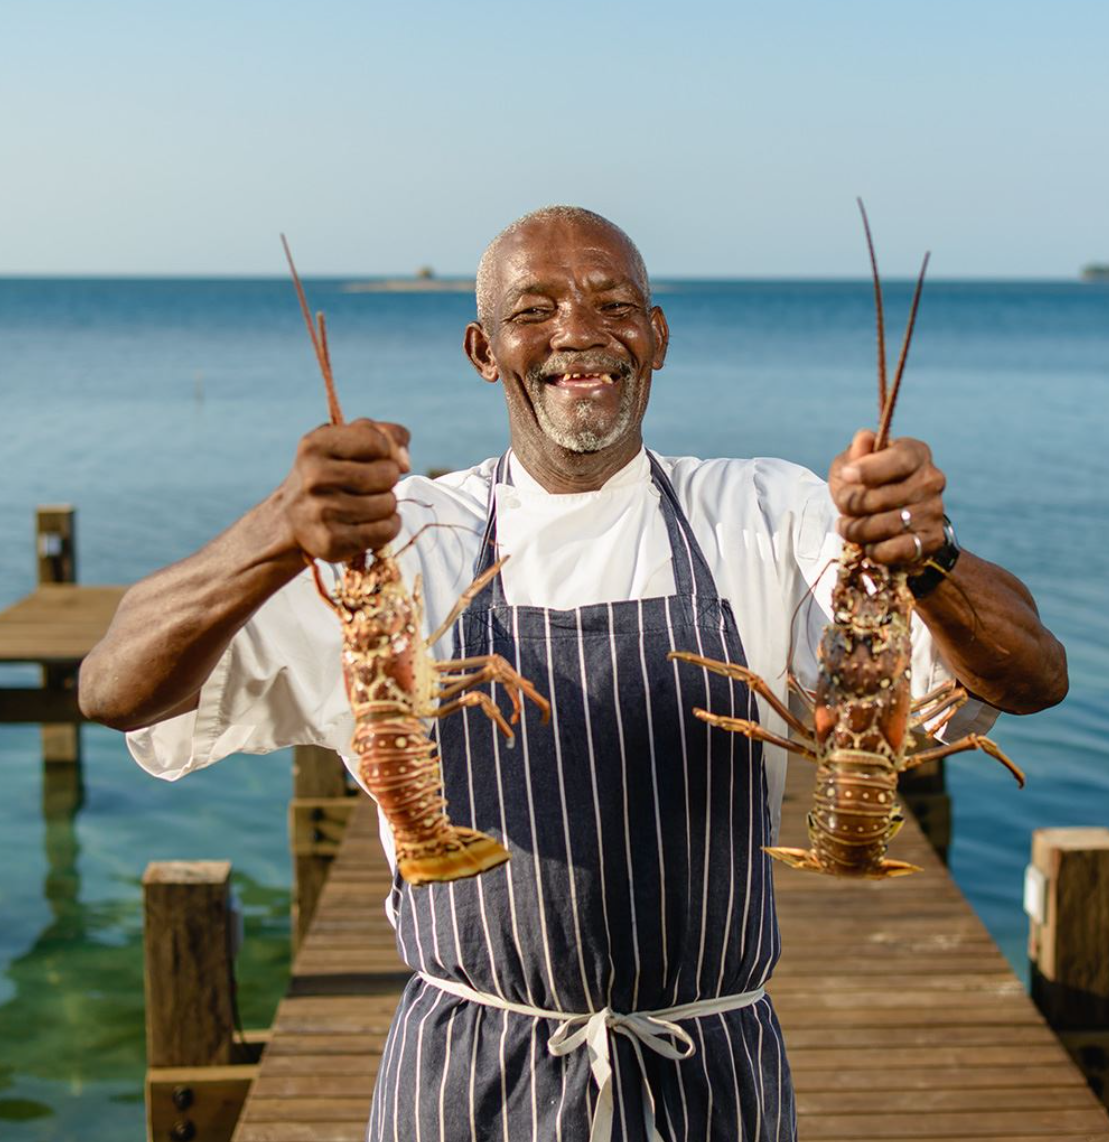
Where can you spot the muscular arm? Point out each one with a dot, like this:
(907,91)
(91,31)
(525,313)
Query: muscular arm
(172,627)
(983,619)
(985,622)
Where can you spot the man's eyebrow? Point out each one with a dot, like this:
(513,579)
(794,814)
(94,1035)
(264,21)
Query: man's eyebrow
(545,289)
(537,287)
(605,285)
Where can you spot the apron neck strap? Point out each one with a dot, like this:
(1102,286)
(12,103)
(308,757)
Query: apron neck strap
(691,570)
(487,555)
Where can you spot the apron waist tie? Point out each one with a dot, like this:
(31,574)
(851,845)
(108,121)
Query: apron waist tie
(656,1030)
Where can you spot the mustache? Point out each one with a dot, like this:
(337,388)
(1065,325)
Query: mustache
(558,364)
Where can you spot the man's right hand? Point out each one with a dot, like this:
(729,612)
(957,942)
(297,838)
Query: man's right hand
(338,500)
(171,628)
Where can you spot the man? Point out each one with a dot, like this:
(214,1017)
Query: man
(638,896)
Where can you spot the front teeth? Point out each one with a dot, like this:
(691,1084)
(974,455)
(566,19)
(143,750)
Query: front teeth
(604,378)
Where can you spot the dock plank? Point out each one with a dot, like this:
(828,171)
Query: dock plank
(57,623)
(902,1018)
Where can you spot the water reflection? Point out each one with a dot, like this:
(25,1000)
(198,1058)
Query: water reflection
(74,1019)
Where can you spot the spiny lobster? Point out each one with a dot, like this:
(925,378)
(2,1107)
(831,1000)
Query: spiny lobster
(863,727)
(393,682)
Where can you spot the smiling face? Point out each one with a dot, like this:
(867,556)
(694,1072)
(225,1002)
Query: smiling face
(569,331)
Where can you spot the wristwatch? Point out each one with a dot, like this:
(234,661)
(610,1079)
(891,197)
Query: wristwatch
(938,565)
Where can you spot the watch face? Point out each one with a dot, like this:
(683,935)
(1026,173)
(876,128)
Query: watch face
(949,553)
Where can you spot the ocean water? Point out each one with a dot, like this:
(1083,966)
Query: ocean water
(164,408)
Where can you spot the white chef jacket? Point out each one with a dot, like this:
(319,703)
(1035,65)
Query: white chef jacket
(766,527)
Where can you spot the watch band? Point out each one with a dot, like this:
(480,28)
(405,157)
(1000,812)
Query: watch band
(938,565)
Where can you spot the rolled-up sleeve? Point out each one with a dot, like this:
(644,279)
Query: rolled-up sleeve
(279,683)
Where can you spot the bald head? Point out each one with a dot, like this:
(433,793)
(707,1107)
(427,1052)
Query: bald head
(486,284)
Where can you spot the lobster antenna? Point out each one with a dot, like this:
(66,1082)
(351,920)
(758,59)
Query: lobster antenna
(807,597)
(328,377)
(319,340)
(878,310)
(887,412)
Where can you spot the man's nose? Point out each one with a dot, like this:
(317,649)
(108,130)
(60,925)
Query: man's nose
(577,327)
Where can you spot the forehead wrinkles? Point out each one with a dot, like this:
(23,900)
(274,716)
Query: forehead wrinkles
(595,279)
(541,257)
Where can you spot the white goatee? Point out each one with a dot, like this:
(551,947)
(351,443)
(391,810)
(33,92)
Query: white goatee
(580,428)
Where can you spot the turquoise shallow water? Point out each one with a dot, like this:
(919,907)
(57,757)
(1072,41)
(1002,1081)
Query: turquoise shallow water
(165,408)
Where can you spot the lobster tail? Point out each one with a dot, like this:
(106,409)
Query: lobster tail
(460,853)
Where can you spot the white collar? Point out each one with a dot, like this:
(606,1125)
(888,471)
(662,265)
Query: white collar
(636,471)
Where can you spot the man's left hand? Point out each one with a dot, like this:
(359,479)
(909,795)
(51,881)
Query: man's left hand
(873,489)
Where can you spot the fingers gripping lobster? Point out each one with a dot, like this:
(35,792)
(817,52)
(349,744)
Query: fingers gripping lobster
(863,727)
(393,683)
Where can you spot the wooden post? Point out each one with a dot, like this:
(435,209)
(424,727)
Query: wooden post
(189,977)
(318,813)
(56,562)
(924,791)
(56,543)
(318,772)
(201,1103)
(196,1080)
(1067,900)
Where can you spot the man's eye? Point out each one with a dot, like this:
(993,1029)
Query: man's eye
(616,307)
(532,313)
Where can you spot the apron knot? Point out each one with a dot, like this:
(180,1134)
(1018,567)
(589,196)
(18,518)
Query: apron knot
(658,1035)
(658,1031)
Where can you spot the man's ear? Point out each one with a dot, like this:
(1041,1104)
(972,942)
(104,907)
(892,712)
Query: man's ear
(662,337)
(475,344)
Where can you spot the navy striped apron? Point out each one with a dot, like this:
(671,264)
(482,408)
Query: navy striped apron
(637,882)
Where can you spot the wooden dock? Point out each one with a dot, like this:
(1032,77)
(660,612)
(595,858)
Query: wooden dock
(316,1077)
(54,627)
(902,1018)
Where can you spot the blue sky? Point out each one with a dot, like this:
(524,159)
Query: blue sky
(727,138)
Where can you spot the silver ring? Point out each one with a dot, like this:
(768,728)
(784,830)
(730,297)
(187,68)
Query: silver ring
(906,520)
(919,548)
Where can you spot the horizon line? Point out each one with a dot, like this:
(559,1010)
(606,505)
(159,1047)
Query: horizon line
(661,279)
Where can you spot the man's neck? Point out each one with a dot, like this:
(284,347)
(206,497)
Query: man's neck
(562,472)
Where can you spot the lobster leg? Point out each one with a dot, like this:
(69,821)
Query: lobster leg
(941,691)
(485,704)
(922,738)
(491,668)
(754,731)
(971,741)
(465,599)
(754,682)
(951,703)
(808,699)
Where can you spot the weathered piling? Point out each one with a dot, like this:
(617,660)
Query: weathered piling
(56,562)
(318,813)
(924,792)
(1067,901)
(197,1074)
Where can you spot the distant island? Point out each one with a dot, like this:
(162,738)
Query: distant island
(1095,272)
(423,281)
